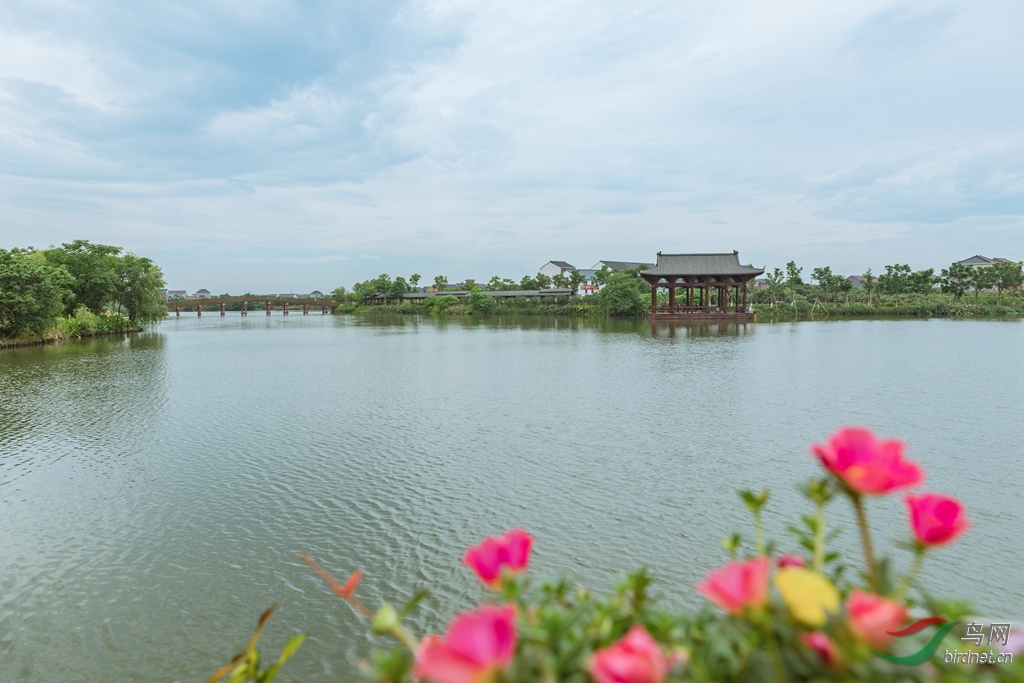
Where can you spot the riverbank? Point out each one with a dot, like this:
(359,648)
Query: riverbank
(765,312)
(43,341)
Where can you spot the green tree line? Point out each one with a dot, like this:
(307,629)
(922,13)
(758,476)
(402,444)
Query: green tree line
(787,287)
(38,287)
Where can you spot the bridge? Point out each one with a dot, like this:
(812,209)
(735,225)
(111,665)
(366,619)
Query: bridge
(326,305)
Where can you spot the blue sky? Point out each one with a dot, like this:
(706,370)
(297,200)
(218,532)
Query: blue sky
(272,146)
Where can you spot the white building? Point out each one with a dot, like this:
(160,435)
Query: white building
(553,268)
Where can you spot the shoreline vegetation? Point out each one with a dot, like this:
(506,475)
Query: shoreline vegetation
(75,291)
(959,291)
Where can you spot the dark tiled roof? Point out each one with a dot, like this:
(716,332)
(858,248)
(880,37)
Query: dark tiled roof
(701,264)
(563,264)
(623,265)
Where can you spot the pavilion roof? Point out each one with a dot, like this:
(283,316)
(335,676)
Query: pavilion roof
(701,264)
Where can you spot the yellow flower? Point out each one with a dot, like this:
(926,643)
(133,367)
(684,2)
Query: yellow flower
(808,595)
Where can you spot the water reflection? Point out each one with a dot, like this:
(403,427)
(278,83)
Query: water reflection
(673,329)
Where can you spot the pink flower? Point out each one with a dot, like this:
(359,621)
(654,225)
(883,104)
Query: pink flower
(936,519)
(870,616)
(738,585)
(823,645)
(510,551)
(866,464)
(476,645)
(791,561)
(633,658)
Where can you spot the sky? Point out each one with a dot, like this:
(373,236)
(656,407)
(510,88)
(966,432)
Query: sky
(275,146)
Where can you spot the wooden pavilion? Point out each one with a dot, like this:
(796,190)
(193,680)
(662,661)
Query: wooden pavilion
(715,287)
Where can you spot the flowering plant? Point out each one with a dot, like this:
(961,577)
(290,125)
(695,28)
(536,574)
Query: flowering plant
(767,616)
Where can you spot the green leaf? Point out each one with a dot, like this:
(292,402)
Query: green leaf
(411,605)
(291,647)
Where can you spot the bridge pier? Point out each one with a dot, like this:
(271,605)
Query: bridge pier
(285,308)
(245,308)
(222,309)
(268,308)
(177,311)
(199,310)
(305,309)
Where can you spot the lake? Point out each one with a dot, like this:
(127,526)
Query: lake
(155,491)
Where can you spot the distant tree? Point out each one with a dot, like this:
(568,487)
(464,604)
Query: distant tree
(543,281)
(982,278)
(843,286)
(869,285)
(792,280)
(1007,275)
(137,289)
(338,294)
(32,291)
(895,280)
(576,278)
(922,282)
(775,281)
(823,276)
(956,279)
(560,281)
(93,268)
(601,275)
(528,283)
(624,294)
(398,288)
(793,274)
(480,303)
(441,283)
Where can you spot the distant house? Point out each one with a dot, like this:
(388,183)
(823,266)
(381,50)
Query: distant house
(856,281)
(163,293)
(203,294)
(177,294)
(981,261)
(316,294)
(553,268)
(619,265)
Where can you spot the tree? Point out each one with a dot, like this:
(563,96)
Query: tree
(775,281)
(528,283)
(1007,275)
(624,294)
(843,285)
(93,268)
(480,302)
(869,285)
(560,281)
(601,275)
(137,289)
(338,294)
(543,281)
(32,291)
(982,278)
(398,288)
(576,278)
(793,274)
(922,282)
(895,280)
(414,280)
(823,276)
(792,280)
(441,283)
(956,279)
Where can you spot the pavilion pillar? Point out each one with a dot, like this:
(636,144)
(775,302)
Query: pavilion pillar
(706,297)
(654,297)
(744,296)
(672,294)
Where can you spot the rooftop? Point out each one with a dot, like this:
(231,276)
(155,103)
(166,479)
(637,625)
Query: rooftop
(701,264)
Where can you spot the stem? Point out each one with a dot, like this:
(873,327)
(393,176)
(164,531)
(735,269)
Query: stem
(865,538)
(406,638)
(915,568)
(759,530)
(818,562)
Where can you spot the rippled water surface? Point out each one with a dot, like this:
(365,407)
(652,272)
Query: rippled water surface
(155,491)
